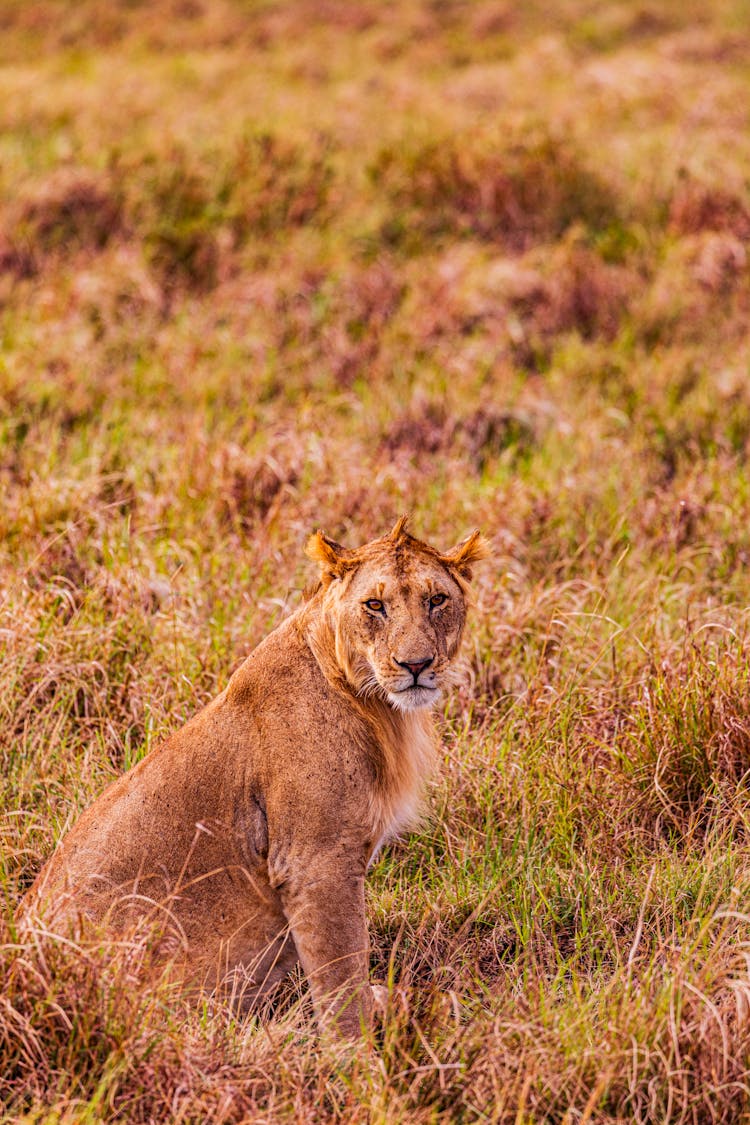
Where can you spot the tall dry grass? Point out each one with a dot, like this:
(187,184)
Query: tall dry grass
(265,267)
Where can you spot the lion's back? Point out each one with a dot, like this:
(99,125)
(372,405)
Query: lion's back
(189,821)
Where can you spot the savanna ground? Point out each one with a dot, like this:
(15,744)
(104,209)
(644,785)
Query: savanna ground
(270,266)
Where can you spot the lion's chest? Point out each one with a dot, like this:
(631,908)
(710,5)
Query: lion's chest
(403,817)
(396,804)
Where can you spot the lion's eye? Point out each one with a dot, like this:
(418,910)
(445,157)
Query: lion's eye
(375,605)
(438,599)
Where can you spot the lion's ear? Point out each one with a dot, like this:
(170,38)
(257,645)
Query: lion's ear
(333,558)
(399,528)
(469,551)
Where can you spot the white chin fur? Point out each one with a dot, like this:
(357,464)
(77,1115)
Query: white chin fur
(413,699)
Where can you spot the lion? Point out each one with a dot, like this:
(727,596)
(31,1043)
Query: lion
(251,828)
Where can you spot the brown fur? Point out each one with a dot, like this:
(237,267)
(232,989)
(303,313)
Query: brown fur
(251,828)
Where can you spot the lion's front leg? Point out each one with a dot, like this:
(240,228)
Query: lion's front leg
(326,914)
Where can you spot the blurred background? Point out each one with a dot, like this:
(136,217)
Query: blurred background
(416,253)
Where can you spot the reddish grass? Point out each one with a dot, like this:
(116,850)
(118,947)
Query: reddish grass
(272,267)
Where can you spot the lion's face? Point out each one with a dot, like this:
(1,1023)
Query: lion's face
(403,617)
(399,609)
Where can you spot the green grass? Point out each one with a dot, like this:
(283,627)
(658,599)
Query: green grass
(266,267)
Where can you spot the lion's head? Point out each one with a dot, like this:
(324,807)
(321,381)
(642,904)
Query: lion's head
(397,609)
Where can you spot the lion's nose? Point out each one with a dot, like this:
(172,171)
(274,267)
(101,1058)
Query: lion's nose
(416,667)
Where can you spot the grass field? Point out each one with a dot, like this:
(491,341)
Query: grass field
(271,266)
